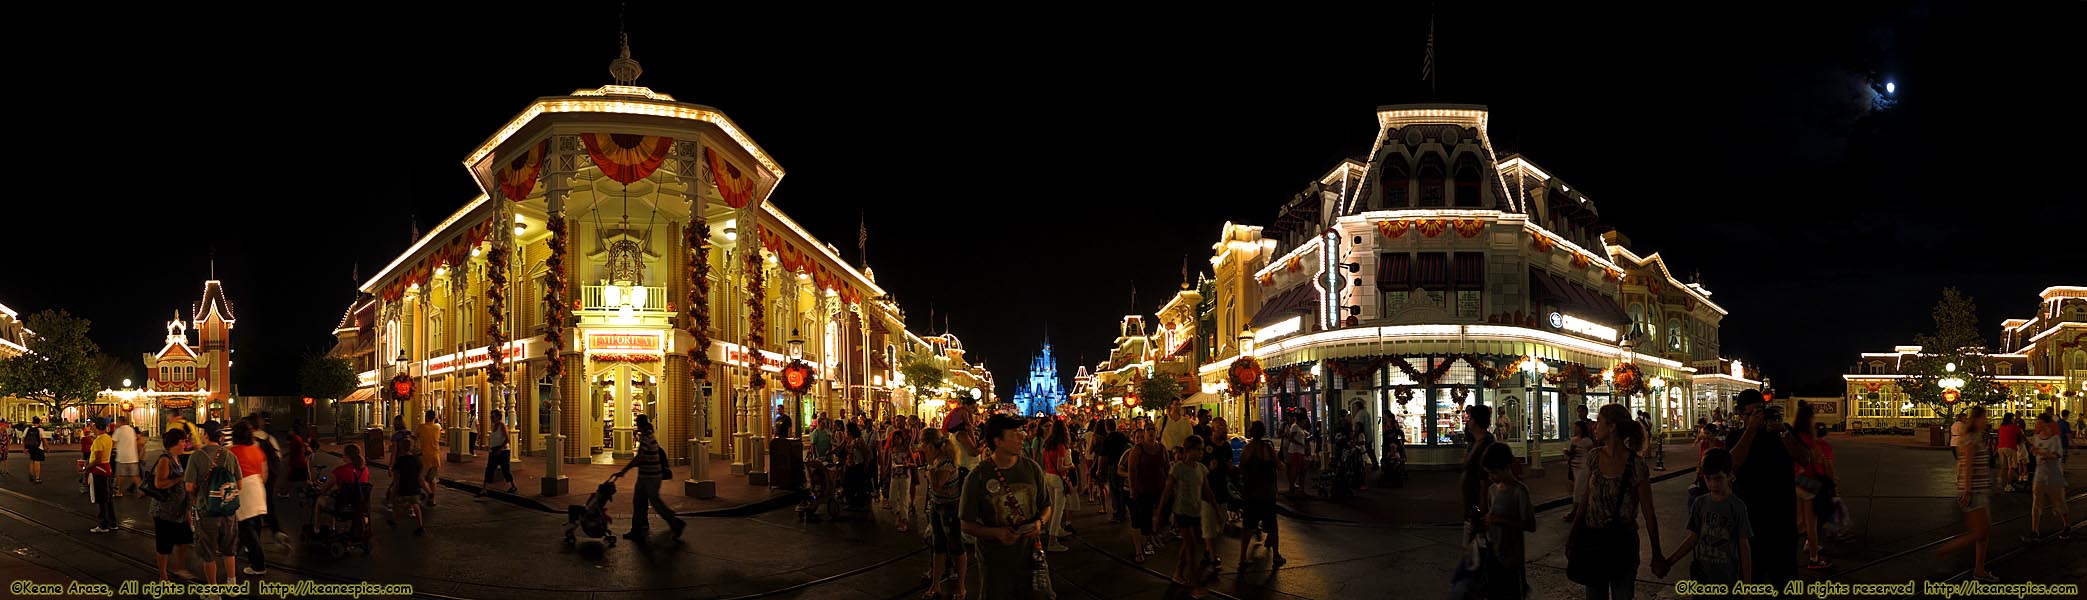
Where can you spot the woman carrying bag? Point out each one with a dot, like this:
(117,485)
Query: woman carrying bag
(1602,548)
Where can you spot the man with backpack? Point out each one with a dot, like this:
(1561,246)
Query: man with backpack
(212,474)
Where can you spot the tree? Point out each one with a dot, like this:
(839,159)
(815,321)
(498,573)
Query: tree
(60,369)
(324,376)
(923,376)
(1954,351)
(111,370)
(1159,392)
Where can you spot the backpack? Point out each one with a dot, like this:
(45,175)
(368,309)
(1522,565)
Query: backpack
(33,440)
(220,488)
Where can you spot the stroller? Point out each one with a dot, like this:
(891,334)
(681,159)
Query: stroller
(350,526)
(593,519)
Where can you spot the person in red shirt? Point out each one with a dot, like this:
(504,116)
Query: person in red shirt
(2010,454)
(253,495)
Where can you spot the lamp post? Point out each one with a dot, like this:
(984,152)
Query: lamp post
(398,367)
(1533,369)
(1659,446)
(796,353)
(1246,396)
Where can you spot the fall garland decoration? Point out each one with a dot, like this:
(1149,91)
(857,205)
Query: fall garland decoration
(1543,242)
(1404,393)
(496,309)
(1872,386)
(554,299)
(798,377)
(1629,381)
(1459,393)
(401,387)
(756,314)
(1244,376)
(696,239)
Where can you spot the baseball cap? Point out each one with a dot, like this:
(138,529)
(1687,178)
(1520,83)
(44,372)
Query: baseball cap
(1747,397)
(213,430)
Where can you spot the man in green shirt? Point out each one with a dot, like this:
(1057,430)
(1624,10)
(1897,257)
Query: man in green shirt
(1003,505)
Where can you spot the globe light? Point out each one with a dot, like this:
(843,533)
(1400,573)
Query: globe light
(1951,367)
(1891,88)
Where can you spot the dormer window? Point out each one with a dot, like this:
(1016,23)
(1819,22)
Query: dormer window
(1396,181)
(1434,182)
(1466,193)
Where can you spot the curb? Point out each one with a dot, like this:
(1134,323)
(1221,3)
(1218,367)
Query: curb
(773,502)
(1286,511)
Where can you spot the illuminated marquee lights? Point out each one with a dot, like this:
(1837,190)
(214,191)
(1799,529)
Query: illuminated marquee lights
(1280,329)
(1583,327)
(589,104)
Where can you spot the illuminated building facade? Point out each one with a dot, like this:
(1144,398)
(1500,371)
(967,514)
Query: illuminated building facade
(1421,279)
(2042,363)
(14,341)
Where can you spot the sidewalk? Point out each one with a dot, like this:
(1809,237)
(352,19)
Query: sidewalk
(734,496)
(1431,497)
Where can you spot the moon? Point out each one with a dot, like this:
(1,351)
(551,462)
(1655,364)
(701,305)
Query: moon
(1891,88)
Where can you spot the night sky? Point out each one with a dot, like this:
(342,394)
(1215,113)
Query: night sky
(1020,169)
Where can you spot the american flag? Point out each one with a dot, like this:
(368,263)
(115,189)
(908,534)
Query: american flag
(1427,67)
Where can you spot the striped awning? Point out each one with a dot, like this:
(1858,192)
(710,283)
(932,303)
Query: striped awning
(361,395)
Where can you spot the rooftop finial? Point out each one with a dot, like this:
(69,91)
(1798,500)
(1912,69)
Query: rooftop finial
(624,69)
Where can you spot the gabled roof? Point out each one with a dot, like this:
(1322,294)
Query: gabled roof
(213,301)
(176,350)
(1660,265)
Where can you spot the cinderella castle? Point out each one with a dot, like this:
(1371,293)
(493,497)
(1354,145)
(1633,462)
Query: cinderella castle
(1042,394)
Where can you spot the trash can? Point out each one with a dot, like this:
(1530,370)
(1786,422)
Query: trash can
(1938,436)
(373,444)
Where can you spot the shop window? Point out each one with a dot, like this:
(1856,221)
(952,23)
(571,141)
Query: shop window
(1468,282)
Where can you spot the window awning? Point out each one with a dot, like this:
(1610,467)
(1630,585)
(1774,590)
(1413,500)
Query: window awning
(1395,272)
(361,395)
(1582,302)
(1433,273)
(1293,301)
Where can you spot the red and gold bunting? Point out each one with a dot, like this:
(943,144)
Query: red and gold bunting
(1543,242)
(1433,227)
(736,186)
(1266,279)
(1296,262)
(1612,274)
(1580,260)
(517,177)
(2044,388)
(1393,229)
(1872,386)
(1470,228)
(626,157)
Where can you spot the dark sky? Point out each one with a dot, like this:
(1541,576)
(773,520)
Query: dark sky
(1020,169)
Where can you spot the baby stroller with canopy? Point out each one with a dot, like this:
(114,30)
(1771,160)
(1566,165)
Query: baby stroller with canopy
(592,519)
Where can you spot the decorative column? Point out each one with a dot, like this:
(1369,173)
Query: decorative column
(695,260)
(460,425)
(557,182)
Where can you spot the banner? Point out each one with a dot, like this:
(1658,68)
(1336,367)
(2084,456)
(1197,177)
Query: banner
(626,157)
(517,178)
(736,186)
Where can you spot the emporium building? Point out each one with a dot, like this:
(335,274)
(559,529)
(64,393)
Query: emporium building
(1432,275)
(622,261)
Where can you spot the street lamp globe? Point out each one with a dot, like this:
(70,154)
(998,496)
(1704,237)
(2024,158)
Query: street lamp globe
(126,383)
(401,360)
(796,345)
(1246,341)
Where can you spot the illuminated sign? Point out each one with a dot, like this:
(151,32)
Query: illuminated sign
(623,342)
(1583,327)
(1279,329)
(738,356)
(473,358)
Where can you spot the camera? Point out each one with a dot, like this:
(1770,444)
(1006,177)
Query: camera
(1772,413)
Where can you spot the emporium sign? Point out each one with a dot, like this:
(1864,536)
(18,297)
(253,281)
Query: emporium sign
(1581,326)
(624,341)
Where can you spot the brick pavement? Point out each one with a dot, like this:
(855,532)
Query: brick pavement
(1431,496)
(734,496)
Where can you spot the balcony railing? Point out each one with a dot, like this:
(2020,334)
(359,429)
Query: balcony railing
(600,297)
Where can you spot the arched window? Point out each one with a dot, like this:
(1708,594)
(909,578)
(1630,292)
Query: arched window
(1637,315)
(2006,369)
(1674,337)
(1877,367)
(1397,182)
(1467,178)
(2078,360)
(1434,182)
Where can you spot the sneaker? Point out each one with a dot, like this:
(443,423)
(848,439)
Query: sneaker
(513,490)
(2063,535)
(1057,547)
(102,529)
(678,528)
(183,574)
(2010,488)
(1279,560)
(282,538)
(2029,538)
(254,571)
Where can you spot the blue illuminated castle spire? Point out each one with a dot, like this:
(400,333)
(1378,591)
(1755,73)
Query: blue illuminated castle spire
(1042,393)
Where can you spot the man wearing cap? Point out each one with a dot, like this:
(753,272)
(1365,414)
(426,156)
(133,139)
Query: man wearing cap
(1764,456)
(1004,506)
(217,538)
